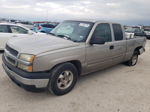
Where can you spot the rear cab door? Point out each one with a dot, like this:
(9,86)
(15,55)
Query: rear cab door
(118,50)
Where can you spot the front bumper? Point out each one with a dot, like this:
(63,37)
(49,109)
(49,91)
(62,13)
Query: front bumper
(37,80)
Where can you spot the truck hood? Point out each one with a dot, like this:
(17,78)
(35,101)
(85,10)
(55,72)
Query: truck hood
(37,44)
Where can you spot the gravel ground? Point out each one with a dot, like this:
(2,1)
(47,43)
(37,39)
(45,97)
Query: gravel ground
(117,89)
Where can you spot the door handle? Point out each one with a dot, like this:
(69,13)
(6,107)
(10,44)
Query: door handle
(111,47)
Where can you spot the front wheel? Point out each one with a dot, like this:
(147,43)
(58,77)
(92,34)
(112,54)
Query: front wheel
(134,59)
(63,79)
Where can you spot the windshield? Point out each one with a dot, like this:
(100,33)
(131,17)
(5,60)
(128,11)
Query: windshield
(133,30)
(76,31)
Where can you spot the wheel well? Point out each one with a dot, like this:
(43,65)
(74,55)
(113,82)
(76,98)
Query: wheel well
(137,49)
(77,64)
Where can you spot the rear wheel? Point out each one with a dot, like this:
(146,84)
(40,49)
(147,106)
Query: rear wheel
(1,51)
(63,79)
(134,59)
(148,37)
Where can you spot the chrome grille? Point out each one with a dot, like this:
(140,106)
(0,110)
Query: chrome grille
(12,51)
(10,55)
(11,60)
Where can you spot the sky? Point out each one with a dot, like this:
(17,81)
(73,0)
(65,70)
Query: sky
(130,12)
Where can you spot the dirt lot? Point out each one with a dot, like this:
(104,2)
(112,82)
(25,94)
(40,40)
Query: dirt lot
(117,89)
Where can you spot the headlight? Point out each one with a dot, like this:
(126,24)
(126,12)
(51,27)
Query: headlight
(25,67)
(28,58)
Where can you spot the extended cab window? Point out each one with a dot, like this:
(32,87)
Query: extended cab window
(103,31)
(19,30)
(117,32)
(4,29)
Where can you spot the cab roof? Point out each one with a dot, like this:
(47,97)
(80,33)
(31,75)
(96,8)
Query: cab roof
(92,21)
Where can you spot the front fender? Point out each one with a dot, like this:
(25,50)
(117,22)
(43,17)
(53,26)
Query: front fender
(46,61)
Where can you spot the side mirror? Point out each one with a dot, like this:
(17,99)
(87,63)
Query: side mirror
(97,40)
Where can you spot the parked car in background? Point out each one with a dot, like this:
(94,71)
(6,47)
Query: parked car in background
(26,24)
(136,31)
(8,31)
(147,32)
(43,27)
(73,48)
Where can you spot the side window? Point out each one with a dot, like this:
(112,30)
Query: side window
(19,30)
(103,31)
(48,26)
(4,29)
(117,32)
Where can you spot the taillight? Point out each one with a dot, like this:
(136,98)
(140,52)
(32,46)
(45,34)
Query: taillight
(38,27)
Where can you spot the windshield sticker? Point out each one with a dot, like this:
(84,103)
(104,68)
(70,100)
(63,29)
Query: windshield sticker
(84,24)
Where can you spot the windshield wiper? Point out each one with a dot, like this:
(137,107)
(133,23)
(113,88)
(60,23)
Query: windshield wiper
(65,37)
(52,34)
(61,35)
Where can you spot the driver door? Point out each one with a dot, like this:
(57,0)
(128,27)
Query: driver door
(98,56)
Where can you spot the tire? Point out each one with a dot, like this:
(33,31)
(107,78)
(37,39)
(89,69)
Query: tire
(148,37)
(134,59)
(1,51)
(63,79)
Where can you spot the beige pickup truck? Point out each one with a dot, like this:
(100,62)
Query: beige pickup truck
(55,61)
